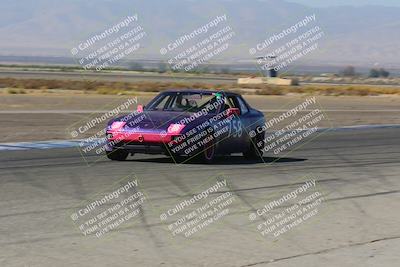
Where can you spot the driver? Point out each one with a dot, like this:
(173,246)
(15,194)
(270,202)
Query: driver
(185,103)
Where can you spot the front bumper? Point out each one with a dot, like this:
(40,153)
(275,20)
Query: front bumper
(144,148)
(139,142)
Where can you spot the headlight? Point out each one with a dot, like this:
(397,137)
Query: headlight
(175,128)
(116,125)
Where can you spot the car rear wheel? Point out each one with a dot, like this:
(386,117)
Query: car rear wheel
(117,154)
(255,151)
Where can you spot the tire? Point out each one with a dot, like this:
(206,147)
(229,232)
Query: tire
(209,152)
(255,151)
(117,154)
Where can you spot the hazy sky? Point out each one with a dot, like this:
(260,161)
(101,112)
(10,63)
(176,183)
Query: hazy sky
(347,2)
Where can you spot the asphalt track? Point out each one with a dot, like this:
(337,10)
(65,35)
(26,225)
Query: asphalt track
(357,172)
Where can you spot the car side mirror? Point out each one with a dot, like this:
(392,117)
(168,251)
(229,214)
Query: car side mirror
(234,111)
(140,108)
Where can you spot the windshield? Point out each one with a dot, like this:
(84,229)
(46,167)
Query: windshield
(184,102)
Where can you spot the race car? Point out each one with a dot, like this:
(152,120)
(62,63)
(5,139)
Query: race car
(201,124)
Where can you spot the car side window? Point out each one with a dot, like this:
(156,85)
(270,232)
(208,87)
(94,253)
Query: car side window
(243,108)
(163,103)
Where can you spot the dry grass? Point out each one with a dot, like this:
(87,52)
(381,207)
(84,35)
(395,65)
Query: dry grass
(18,86)
(14,91)
(346,90)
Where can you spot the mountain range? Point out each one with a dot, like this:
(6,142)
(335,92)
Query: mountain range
(364,35)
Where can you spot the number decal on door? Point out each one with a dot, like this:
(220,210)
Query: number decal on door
(236,128)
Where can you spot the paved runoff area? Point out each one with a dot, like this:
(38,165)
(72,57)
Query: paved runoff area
(356,224)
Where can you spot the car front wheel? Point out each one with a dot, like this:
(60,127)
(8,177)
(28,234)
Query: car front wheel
(256,147)
(209,151)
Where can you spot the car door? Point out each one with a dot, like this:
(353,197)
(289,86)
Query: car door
(236,140)
(246,120)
